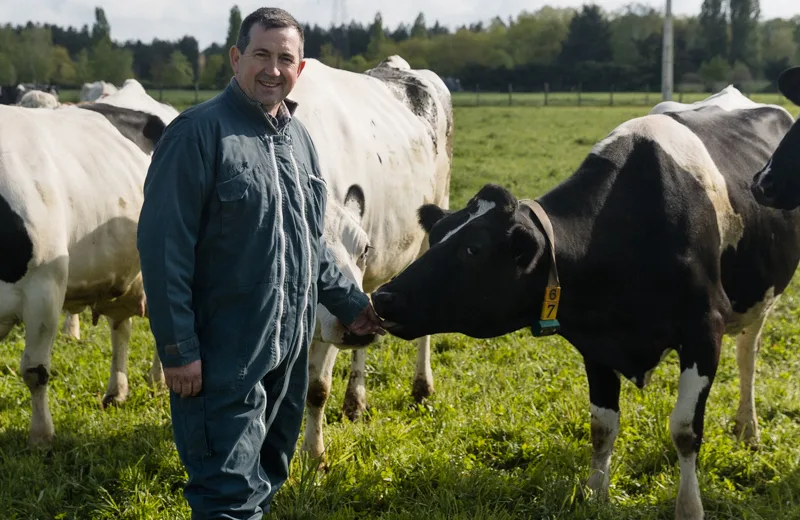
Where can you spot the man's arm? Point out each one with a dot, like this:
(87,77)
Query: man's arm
(177,185)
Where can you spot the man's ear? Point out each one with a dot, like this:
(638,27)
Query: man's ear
(524,246)
(235,56)
(301,67)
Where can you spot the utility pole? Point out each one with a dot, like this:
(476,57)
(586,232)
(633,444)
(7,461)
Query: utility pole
(667,56)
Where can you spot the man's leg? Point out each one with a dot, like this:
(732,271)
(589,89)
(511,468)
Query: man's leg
(286,388)
(218,435)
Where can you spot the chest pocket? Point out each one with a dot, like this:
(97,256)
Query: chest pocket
(240,202)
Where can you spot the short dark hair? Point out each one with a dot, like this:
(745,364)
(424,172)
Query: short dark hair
(268,18)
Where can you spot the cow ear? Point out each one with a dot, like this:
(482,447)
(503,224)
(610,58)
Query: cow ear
(429,215)
(789,84)
(524,246)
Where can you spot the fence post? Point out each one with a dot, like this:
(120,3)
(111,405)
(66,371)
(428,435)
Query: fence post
(477,95)
(580,87)
(196,92)
(509,94)
(647,95)
(680,94)
(161,92)
(611,97)
(546,92)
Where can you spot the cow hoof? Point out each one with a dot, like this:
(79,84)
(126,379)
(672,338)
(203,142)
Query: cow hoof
(354,409)
(41,440)
(748,433)
(155,379)
(421,390)
(112,400)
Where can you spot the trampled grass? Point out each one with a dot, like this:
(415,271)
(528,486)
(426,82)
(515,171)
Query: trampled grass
(505,436)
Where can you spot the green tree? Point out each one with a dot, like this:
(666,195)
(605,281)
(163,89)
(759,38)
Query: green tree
(744,34)
(8,73)
(34,61)
(589,38)
(210,73)
(715,71)
(537,38)
(713,21)
(110,64)
(377,37)
(234,22)
(178,71)
(101,30)
(63,67)
(419,30)
(83,68)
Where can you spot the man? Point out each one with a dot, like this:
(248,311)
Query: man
(233,261)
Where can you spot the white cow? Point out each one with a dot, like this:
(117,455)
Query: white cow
(96,90)
(69,208)
(133,96)
(38,99)
(384,140)
(729,98)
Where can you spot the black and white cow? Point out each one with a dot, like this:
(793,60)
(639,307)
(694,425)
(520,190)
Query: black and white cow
(777,185)
(70,194)
(659,246)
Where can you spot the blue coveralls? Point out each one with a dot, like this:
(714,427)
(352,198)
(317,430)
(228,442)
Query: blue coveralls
(233,262)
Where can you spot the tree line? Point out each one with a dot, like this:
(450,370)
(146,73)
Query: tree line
(584,48)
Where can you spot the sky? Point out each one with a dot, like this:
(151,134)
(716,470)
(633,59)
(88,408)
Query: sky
(207,20)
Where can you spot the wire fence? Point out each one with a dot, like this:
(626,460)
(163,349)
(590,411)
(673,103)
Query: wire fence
(576,98)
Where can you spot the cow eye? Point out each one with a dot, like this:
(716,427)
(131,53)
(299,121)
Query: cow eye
(472,250)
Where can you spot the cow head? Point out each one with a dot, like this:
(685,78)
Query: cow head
(349,245)
(778,184)
(482,276)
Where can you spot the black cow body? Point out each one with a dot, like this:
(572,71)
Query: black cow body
(659,246)
(777,185)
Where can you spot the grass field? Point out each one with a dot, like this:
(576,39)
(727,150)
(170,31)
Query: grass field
(505,436)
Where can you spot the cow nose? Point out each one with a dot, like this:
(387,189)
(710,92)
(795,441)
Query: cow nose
(385,301)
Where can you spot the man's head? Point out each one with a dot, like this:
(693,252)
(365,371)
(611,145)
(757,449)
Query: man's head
(268,56)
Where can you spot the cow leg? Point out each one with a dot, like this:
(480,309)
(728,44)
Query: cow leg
(43,299)
(423,379)
(117,390)
(321,359)
(604,387)
(72,326)
(156,374)
(355,399)
(747,345)
(699,357)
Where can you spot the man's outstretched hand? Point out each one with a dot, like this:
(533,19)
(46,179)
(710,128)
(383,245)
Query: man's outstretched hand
(367,322)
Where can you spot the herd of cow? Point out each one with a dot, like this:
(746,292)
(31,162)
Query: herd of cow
(678,228)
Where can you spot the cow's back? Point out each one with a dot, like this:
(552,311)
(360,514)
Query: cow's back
(76,184)
(366,135)
(763,261)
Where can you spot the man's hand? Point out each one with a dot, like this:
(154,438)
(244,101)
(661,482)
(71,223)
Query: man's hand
(186,380)
(367,322)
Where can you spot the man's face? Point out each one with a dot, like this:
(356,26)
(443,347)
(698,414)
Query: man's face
(270,65)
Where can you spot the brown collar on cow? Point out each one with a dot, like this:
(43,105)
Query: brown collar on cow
(548,322)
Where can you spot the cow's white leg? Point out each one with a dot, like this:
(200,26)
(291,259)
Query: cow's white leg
(72,326)
(684,423)
(747,345)
(117,390)
(321,359)
(156,374)
(5,328)
(42,302)
(604,387)
(355,399)
(423,378)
